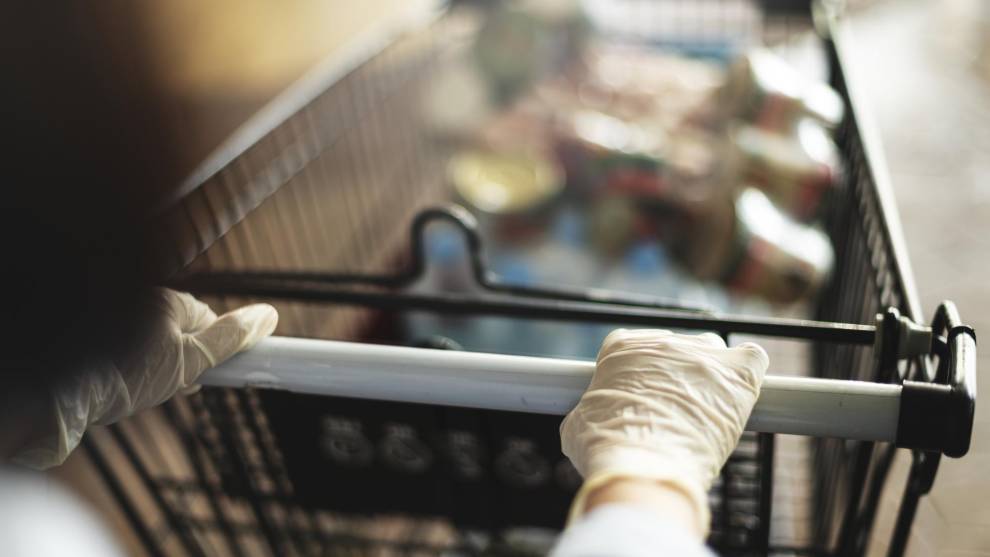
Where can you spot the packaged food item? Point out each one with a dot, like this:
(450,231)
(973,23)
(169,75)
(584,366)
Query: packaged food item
(598,151)
(523,41)
(753,248)
(526,128)
(702,236)
(782,260)
(645,86)
(519,44)
(512,191)
(796,170)
(612,224)
(699,165)
(764,90)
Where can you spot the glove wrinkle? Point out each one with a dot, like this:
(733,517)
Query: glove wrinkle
(665,407)
(189,340)
(203,350)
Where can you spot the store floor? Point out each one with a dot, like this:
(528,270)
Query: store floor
(923,71)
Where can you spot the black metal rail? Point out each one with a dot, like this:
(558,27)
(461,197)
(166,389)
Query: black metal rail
(532,308)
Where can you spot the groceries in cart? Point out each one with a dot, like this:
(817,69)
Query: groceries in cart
(763,89)
(724,167)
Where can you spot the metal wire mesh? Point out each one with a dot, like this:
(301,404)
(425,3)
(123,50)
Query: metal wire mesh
(849,474)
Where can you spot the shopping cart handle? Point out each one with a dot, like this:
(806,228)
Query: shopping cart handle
(938,416)
(795,405)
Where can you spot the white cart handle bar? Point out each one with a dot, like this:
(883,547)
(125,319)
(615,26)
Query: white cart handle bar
(796,405)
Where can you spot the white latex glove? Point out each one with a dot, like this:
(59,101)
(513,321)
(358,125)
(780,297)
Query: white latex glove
(665,407)
(192,340)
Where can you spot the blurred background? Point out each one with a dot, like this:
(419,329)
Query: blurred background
(637,147)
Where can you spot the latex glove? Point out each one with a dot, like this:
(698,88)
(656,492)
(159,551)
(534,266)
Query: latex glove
(191,340)
(664,407)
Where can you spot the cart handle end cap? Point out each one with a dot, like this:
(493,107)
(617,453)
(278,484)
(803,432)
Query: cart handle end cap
(938,417)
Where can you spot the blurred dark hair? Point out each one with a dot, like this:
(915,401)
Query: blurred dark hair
(86,158)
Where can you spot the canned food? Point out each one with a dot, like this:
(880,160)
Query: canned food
(764,90)
(780,260)
(795,171)
(513,191)
(750,246)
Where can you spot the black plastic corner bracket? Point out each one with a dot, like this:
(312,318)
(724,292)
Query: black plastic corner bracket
(922,422)
(938,417)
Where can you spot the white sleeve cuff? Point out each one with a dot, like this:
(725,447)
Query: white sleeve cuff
(618,530)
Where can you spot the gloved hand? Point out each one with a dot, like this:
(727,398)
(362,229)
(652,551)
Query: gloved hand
(664,407)
(191,340)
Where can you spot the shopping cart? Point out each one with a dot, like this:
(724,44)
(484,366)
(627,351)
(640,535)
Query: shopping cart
(456,452)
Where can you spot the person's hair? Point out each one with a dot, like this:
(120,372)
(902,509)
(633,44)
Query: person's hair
(86,156)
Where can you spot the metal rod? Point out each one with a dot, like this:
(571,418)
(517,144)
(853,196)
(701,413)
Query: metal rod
(535,308)
(113,482)
(767,443)
(795,405)
(194,457)
(242,472)
(176,522)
